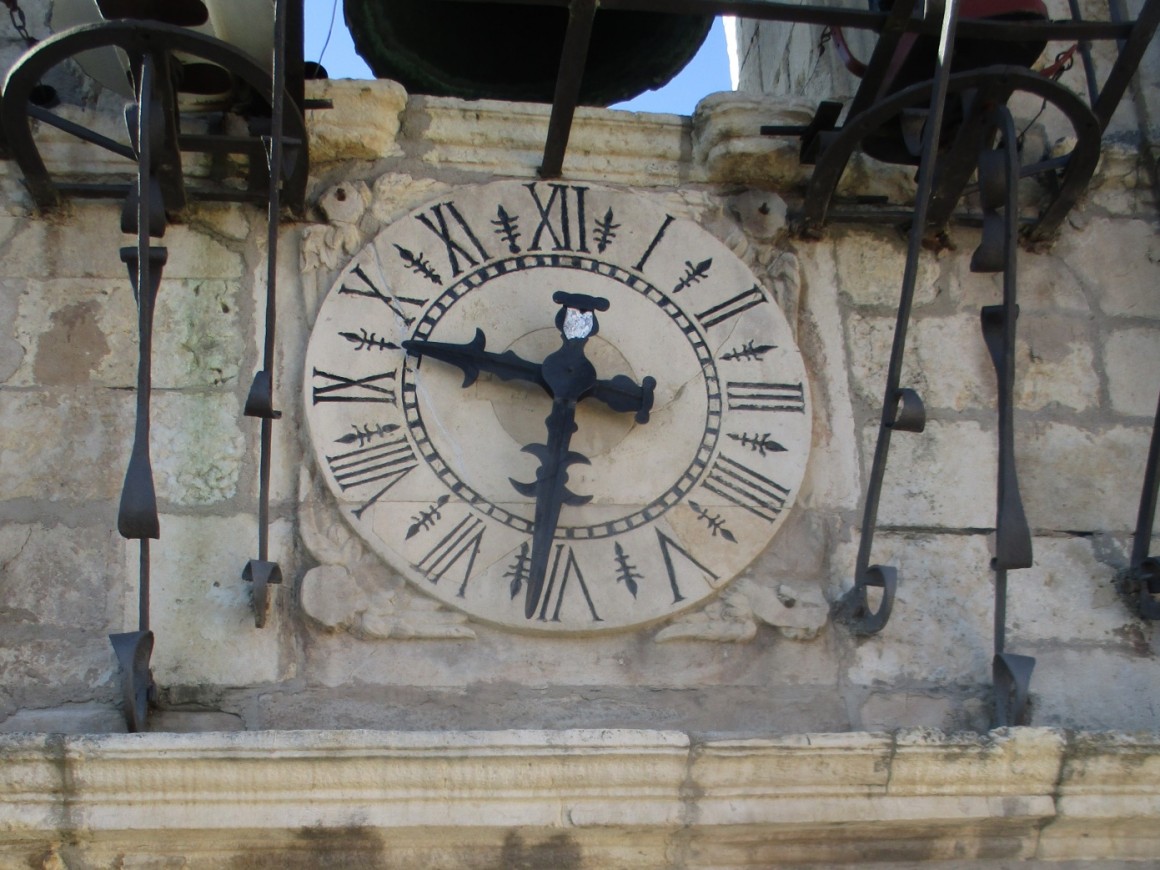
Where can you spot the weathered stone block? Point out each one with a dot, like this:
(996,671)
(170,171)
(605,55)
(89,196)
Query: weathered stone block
(52,667)
(1077,479)
(363,123)
(832,474)
(1047,282)
(969,383)
(1131,359)
(86,245)
(727,138)
(885,710)
(51,575)
(871,264)
(85,331)
(201,611)
(940,632)
(1119,260)
(943,476)
(1095,688)
(87,718)
(66,445)
(1067,596)
(197,447)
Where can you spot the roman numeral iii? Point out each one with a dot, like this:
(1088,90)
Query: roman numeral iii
(762,396)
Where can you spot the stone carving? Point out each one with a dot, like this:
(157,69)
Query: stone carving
(352,590)
(326,247)
(396,193)
(735,615)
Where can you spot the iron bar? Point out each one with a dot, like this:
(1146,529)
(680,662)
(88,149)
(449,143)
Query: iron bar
(84,133)
(1085,54)
(1146,516)
(260,402)
(877,68)
(135,38)
(832,16)
(900,408)
(573,59)
(1126,63)
(999,189)
(137,516)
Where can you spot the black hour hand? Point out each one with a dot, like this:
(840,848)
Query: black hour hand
(622,393)
(472,358)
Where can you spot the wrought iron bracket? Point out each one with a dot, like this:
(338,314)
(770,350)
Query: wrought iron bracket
(1142,579)
(854,608)
(161,41)
(138,691)
(261,574)
(998,171)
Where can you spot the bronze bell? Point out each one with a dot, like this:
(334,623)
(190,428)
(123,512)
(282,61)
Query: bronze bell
(512,52)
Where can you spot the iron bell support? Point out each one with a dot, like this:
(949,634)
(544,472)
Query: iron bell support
(137,517)
(1143,577)
(998,250)
(902,408)
(281,156)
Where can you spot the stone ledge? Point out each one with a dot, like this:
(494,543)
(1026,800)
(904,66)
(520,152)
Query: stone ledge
(582,798)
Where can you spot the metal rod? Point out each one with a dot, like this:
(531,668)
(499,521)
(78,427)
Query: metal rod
(1146,518)
(1138,39)
(274,155)
(891,397)
(143,589)
(573,59)
(879,64)
(46,117)
(830,16)
(1085,54)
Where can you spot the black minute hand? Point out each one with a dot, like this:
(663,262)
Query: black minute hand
(472,358)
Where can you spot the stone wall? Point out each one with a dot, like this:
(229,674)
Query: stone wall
(349,644)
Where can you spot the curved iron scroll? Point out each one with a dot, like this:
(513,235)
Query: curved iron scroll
(995,85)
(139,38)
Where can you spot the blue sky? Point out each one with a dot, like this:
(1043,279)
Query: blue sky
(707,73)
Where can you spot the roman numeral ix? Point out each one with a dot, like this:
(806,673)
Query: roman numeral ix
(329,387)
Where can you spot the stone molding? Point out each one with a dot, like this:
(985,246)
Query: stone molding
(577,798)
(720,143)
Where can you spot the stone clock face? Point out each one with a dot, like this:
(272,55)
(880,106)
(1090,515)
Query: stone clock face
(437,470)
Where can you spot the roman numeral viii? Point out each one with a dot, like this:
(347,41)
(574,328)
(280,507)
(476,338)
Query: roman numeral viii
(380,467)
(746,488)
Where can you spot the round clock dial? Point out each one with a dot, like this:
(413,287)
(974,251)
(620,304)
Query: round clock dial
(556,407)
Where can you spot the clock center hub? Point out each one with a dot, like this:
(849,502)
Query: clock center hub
(520,408)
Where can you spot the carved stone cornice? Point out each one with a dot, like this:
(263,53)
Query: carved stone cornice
(613,798)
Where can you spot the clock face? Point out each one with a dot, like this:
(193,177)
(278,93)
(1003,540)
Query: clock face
(439,469)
